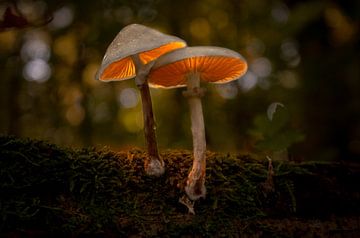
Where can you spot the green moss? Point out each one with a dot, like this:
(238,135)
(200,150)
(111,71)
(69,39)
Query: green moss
(97,191)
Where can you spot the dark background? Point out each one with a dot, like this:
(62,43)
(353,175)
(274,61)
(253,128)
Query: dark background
(302,54)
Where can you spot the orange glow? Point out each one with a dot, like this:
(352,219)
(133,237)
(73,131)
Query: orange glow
(215,69)
(151,55)
(125,68)
(119,70)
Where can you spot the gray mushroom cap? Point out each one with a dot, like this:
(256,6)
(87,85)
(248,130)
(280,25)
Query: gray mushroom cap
(212,64)
(131,40)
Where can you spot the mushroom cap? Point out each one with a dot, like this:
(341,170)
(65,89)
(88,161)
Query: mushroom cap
(212,64)
(131,40)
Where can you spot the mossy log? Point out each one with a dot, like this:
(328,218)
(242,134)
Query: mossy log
(49,190)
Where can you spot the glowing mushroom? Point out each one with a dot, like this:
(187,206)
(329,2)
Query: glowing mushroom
(131,55)
(186,67)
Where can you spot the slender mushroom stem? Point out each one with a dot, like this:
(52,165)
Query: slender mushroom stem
(154,165)
(195,185)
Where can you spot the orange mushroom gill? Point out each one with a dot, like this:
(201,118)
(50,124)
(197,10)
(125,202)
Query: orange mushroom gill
(121,70)
(215,69)
(153,54)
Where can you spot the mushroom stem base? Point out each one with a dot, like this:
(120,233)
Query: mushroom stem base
(154,166)
(195,184)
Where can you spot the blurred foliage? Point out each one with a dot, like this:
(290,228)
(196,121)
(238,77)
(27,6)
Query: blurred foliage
(272,132)
(304,54)
(47,189)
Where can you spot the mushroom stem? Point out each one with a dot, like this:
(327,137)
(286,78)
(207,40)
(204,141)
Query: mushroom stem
(154,165)
(195,185)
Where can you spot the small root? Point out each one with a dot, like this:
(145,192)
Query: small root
(188,203)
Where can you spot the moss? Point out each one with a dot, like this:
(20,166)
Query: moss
(50,189)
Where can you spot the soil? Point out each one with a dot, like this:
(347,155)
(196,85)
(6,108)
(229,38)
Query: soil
(47,190)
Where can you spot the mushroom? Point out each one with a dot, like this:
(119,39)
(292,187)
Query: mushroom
(131,55)
(186,67)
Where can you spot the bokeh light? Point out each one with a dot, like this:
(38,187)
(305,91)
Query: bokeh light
(37,70)
(200,29)
(128,98)
(65,47)
(32,9)
(219,18)
(88,74)
(280,12)
(255,47)
(62,18)
(35,48)
(131,120)
(261,67)
(288,79)
(248,81)
(75,114)
(227,91)
(289,52)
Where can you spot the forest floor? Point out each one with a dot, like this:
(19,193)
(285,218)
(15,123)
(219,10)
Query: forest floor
(47,190)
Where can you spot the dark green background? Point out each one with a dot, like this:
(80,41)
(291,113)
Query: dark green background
(304,54)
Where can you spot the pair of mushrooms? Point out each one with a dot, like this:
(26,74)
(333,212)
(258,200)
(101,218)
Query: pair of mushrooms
(164,61)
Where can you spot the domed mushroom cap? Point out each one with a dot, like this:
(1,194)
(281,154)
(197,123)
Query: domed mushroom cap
(131,40)
(213,64)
